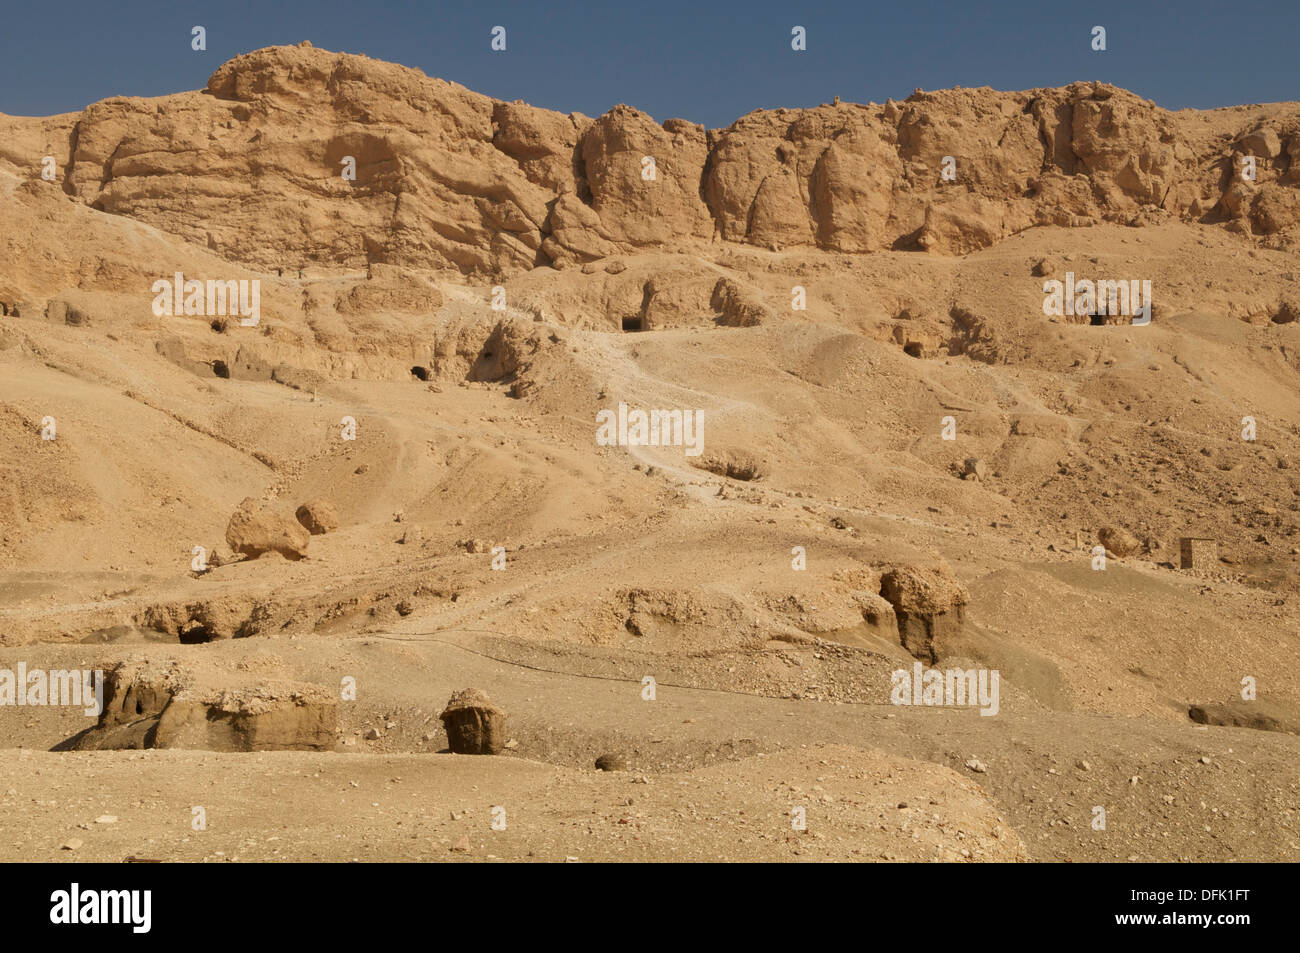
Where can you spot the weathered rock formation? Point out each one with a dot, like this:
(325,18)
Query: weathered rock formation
(318,517)
(448,178)
(930,605)
(255,529)
(474,724)
(159,704)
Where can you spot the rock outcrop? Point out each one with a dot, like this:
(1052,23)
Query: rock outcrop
(449,178)
(160,704)
(256,529)
(474,724)
(737,307)
(930,605)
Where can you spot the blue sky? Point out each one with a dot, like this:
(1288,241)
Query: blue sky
(707,62)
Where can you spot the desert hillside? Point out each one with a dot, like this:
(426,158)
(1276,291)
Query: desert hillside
(397,476)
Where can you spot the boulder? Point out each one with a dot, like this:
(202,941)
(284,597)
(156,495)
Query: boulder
(318,517)
(255,530)
(474,725)
(1119,541)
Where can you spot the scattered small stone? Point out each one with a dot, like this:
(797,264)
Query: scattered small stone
(1046,267)
(976,765)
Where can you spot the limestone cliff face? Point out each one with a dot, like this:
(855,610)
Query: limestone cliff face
(251,168)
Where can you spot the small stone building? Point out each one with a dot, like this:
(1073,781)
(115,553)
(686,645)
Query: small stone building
(1198,552)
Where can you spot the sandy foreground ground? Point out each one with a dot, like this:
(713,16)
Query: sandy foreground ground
(711,775)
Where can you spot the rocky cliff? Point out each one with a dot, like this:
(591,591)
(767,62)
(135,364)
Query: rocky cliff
(252,168)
